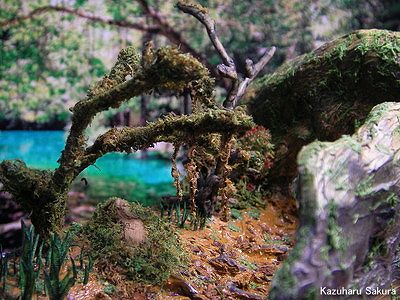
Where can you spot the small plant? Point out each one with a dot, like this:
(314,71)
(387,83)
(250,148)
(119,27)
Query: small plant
(233,227)
(236,214)
(87,269)
(30,262)
(57,287)
(248,264)
(270,241)
(176,209)
(38,273)
(257,151)
(110,289)
(248,195)
(254,214)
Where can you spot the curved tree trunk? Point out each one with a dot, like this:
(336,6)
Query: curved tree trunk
(349,212)
(326,93)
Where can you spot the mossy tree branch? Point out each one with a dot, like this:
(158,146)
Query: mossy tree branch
(164,68)
(43,193)
(171,129)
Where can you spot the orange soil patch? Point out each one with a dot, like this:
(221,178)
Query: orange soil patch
(236,259)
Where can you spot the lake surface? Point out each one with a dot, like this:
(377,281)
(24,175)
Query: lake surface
(41,149)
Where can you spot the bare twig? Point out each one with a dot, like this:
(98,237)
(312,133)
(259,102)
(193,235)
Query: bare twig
(201,14)
(228,68)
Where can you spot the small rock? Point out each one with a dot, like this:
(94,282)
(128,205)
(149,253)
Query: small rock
(195,249)
(241,294)
(266,270)
(225,265)
(180,286)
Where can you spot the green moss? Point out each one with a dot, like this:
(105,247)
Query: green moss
(312,293)
(376,114)
(334,231)
(127,64)
(392,199)
(352,143)
(364,187)
(310,152)
(309,203)
(331,86)
(160,255)
(378,249)
(254,214)
(236,214)
(386,45)
(324,252)
(248,264)
(269,241)
(233,227)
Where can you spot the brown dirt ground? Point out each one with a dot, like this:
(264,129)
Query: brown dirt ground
(228,260)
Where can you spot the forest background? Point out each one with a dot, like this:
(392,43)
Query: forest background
(50,51)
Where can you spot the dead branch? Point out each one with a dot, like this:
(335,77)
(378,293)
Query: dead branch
(228,68)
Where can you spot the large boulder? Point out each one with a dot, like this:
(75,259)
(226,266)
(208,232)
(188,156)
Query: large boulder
(349,213)
(326,93)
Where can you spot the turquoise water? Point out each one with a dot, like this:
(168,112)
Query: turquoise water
(41,149)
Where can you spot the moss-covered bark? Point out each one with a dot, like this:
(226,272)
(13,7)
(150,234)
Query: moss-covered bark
(43,193)
(326,93)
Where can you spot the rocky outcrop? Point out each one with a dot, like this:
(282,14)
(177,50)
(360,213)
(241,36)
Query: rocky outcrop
(349,212)
(326,93)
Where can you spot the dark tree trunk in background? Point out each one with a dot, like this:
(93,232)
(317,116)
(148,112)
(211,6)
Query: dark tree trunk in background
(145,98)
(186,103)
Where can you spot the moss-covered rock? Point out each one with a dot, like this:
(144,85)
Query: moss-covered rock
(129,239)
(349,212)
(326,93)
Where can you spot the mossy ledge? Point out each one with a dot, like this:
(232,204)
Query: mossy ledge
(326,93)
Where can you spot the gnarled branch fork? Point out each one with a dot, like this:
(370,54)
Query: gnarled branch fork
(228,68)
